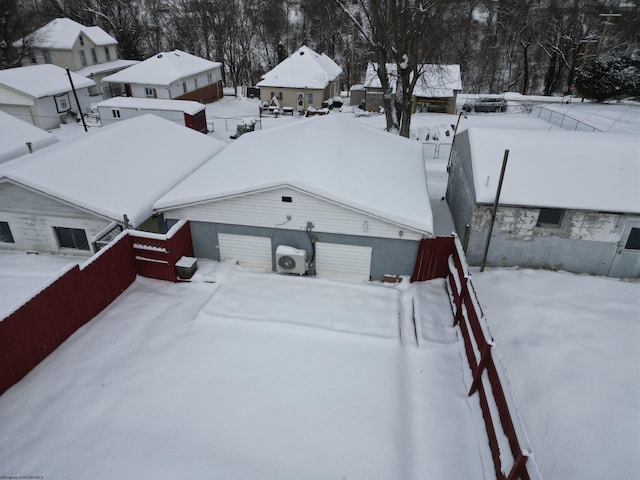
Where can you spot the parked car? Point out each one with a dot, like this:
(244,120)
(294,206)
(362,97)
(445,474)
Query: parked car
(486,105)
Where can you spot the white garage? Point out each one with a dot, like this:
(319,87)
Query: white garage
(246,250)
(349,262)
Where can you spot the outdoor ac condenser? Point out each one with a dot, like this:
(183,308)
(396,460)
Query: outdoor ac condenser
(291,260)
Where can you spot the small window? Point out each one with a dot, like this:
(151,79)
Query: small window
(310,99)
(83,59)
(148,92)
(280,96)
(287,199)
(209,77)
(94,55)
(71,238)
(81,38)
(32,57)
(5,233)
(195,83)
(107,54)
(115,113)
(633,242)
(47,56)
(550,217)
(184,87)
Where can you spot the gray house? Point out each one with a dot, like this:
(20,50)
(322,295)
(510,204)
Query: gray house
(75,196)
(337,198)
(569,200)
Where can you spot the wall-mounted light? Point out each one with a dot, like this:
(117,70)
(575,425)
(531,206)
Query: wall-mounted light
(365,226)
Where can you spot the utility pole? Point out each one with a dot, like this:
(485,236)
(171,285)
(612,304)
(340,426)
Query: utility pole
(495,209)
(75,94)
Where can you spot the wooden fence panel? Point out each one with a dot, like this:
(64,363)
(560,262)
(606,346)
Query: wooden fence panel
(432,259)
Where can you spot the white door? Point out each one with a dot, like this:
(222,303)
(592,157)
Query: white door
(626,263)
(246,250)
(339,261)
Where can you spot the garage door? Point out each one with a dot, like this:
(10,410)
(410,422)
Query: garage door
(250,251)
(19,111)
(339,261)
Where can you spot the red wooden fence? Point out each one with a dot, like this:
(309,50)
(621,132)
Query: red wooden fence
(443,257)
(39,326)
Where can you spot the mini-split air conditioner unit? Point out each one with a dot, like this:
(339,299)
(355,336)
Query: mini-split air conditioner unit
(291,260)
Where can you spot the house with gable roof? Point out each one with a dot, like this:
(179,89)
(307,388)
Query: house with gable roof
(42,94)
(569,200)
(304,79)
(174,75)
(436,89)
(89,51)
(74,197)
(356,207)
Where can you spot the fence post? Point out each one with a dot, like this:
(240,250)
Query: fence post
(477,375)
(518,467)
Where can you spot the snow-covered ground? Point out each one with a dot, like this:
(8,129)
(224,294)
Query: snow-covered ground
(195,381)
(571,347)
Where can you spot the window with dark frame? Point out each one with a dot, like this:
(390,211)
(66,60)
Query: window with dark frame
(107,54)
(115,112)
(94,55)
(47,56)
(550,217)
(633,240)
(75,238)
(5,233)
(287,199)
(83,58)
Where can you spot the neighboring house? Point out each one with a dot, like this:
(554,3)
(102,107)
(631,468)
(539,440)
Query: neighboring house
(435,91)
(89,51)
(183,112)
(569,200)
(168,75)
(303,80)
(74,197)
(19,138)
(355,201)
(41,94)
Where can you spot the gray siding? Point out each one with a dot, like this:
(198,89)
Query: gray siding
(389,256)
(460,190)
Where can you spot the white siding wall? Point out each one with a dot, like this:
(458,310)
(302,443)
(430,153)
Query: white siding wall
(266,209)
(107,118)
(47,115)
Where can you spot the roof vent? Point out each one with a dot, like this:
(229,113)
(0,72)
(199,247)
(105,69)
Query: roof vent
(159,55)
(301,53)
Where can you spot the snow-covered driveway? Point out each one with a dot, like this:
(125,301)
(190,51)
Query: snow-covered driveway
(235,379)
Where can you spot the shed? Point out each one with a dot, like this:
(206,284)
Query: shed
(569,201)
(168,75)
(436,89)
(18,138)
(302,80)
(74,196)
(41,94)
(352,198)
(183,112)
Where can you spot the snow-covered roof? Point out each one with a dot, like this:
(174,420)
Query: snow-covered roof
(62,33)
(106,67)
(14,135)
(331,157)
(163,68)
(117,170)
(436,81)
(39,81)
(303,69)
(557,169)
(186,106)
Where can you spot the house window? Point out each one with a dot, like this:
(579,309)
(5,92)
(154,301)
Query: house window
(71,238)
(550,217)
(83,59)
(195,83)
(287,199)
(33,58)
(115,113)
(81,38)
(47,56)
(633,242)
(107,54)
(184,87)
(209,78)
(309,99)
(94,55)
(5,233)
(148,91)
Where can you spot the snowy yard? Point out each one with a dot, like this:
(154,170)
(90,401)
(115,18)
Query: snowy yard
(571,347)
(253,376)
